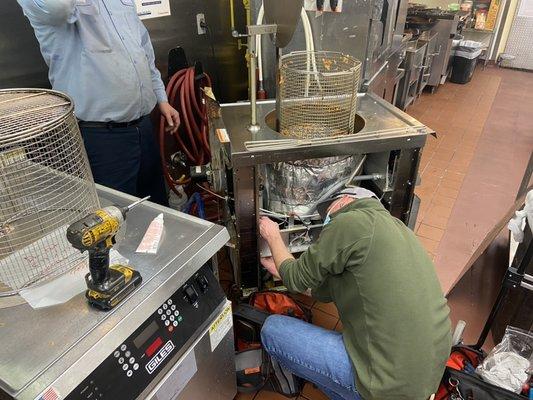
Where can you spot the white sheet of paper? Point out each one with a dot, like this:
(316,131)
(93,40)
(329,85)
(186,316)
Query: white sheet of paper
(147,9)
(65,287)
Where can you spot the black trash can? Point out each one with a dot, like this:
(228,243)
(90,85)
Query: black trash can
(464,61)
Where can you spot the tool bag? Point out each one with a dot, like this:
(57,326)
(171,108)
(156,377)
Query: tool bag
(274,302)
(254,367)
(462,358)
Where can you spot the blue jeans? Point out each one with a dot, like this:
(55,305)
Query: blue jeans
(312,353)
(127,159)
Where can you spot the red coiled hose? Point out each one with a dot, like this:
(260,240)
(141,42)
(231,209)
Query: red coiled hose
(187,98)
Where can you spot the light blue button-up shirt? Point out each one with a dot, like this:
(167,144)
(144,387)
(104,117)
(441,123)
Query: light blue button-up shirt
(100,54)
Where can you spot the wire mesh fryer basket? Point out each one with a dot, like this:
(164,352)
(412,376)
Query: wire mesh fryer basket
(317,94)
(45,184)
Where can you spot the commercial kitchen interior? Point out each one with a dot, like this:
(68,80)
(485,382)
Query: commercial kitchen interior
(445,140)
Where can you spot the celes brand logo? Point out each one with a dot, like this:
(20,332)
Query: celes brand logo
(156,361)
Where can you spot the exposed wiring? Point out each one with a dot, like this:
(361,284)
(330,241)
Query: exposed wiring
(194,205)
(185,95)
(213,193)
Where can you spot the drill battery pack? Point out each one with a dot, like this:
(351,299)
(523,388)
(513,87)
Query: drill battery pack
(122,280)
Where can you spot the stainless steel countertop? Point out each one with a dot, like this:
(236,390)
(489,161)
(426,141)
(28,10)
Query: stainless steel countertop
(63,344)
(385,127)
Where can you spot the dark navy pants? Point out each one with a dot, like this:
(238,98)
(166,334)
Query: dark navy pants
(127,159)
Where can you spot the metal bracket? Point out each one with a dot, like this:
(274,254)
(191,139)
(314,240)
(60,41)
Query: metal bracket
(513,278)
(266,29)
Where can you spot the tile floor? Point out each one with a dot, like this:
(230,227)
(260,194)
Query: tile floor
(469,174)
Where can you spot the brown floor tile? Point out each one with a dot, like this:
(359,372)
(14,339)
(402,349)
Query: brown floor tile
(430,245)
(328,308)
(320,318)
(442,201)
(447,192)
(443,211)
(312,393)
(430,232)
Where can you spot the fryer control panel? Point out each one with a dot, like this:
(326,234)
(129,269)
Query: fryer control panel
(133,365)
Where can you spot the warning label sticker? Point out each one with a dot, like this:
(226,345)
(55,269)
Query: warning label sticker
(221,326)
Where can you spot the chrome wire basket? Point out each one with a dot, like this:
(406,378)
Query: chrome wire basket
(45,184)
(317,94)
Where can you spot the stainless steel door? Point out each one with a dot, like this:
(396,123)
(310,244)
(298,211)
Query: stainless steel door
(201,373)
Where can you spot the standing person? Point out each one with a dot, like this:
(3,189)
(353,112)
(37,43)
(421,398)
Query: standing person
(100,54)
(396,333)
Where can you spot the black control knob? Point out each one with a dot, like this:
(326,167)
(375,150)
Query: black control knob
(190,294)
(203,283)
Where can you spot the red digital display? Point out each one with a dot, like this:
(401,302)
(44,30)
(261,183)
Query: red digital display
(154,347)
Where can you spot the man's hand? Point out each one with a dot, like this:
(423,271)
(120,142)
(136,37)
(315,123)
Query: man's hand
(172,117)
(268,229)
(269,264)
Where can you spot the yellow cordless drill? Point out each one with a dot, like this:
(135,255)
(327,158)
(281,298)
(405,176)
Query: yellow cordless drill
(107,285)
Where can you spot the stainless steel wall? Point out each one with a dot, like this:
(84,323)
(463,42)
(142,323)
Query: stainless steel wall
(364,29)
(21,64)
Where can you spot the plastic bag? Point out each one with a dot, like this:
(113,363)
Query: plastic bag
(510,364)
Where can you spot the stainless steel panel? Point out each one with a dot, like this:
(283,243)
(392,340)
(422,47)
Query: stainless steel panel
(346,32)
(285,15)
(64,343)
(22,65)
(21,62)
(215,376)
(445,28)
(385,127)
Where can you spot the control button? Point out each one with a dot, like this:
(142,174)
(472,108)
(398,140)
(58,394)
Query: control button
(169,312)
(180,318)
(116,353)
(175,323)
(123,347)
(167,323)
(132,360)
(121,360)
(172,318)
(127,354)
(129,373)
(135,367)
(173,307)
(190,294)
(163,317)
(203,283)
(165,306)
(170,328)
(169,301)
(176,313)
(125,367)
(160,311)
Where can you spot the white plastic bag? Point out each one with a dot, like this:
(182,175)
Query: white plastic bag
(510,364)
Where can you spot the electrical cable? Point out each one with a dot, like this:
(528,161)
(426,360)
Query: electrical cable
(185,94)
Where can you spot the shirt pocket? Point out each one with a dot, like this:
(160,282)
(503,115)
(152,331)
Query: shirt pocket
(94,33)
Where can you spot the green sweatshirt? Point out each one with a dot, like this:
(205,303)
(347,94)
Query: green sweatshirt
(395,320)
